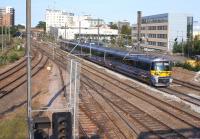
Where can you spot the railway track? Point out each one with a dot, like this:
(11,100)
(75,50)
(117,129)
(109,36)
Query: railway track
(187,84)
(100,123)
(87,128)
(174,112)
(181,93)
(15,67)
(16,76)
(184,96)
(101,117)
(189,123)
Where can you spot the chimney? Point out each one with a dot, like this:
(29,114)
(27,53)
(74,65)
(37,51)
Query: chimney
(139,22)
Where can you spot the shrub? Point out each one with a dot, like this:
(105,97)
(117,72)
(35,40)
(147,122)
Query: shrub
(3,60)
(188,66)
(13,57)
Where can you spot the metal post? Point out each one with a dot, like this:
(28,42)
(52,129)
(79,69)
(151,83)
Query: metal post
(53,52)
(2,39)
(28,52)
(104,57)
(90,50)
(182,47)
(79,30)
(139,22)
(98,31)
(74,109)
(5,39)
(70,86)
(9,33)
(65,32)
(76,100)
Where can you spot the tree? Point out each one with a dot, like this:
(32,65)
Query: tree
(42,25)
(126,35)
(112,25)
(177,48)
(19,26)
(126,30)
(13,30)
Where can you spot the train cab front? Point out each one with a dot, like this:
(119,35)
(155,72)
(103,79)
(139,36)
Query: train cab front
(161,73)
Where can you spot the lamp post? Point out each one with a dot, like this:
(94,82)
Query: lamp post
(28,52)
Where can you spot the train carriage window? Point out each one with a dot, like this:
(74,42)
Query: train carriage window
(86,50)
(129,62)
(113,57)
(97,53)
(143,65)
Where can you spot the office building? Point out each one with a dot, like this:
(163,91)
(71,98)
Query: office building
(160,31)
(7,16)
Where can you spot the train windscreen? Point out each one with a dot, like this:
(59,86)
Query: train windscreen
(161,66)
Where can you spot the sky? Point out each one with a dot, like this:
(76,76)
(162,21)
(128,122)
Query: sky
(109,10)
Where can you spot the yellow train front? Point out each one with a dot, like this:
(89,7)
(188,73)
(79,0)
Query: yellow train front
(160,72)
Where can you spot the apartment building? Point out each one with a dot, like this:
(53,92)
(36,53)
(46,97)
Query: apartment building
(57,18)
(7,16)
(160,31)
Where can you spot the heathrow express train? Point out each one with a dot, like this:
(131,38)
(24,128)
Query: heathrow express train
(154,70)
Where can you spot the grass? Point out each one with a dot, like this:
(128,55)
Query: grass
(14,127)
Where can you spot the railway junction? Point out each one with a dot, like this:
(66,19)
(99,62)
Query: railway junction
(110,104)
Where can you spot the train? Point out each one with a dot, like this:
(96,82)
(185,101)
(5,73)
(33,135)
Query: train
(155,71)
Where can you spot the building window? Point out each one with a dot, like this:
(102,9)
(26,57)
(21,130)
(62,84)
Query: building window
(152,35)
(143,28)
(163,36)
(152,28)
(161,27)
(151,43)
(161,44)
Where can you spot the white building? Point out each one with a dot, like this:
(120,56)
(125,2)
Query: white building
(58,18)
(93,33)
(160,31)
(66,25)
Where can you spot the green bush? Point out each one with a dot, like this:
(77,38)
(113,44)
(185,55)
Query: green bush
(188,66)
(13,57)
(3,60)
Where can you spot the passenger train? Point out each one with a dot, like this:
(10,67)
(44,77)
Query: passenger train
(153,70)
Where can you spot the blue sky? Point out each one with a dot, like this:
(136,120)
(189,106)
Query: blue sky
(110,10)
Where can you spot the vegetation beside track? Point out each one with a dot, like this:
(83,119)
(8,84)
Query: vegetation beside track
(13,53)
(188,66)
(14,127)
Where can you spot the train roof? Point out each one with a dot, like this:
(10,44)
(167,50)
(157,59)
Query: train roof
(122,53)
